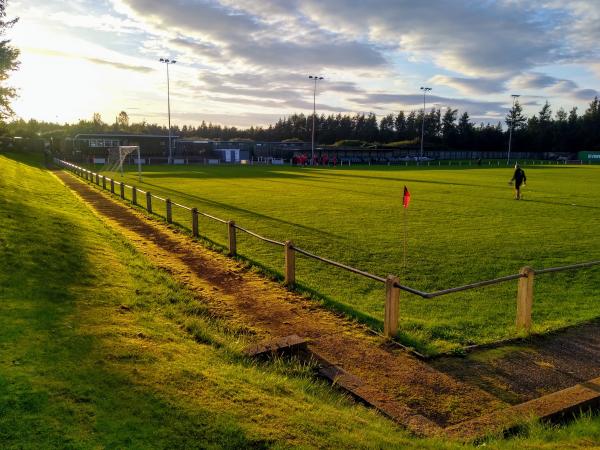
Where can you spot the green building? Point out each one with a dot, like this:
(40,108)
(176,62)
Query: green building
(589,156)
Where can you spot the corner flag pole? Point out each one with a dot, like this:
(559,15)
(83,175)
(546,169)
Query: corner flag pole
(405,232)
(405,202)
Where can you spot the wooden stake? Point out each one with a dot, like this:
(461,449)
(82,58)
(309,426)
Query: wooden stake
(112,186)
(392,306)
(149,202)
(195,222)
(134,195)
(232,238)
(122,189)
(169,210)
(525,299)
(290,264)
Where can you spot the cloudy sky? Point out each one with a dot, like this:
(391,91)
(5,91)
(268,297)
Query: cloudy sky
(246,62)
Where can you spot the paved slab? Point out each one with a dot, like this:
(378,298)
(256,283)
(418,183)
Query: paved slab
(533,368)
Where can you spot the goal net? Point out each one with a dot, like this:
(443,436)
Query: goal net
(117,156)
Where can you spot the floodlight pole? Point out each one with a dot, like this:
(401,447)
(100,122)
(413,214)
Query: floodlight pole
(312,153)
(512,125)
(425,90)
(167,62)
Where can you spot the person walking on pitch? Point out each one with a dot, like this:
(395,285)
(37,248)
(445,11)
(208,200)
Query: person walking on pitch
(519,178)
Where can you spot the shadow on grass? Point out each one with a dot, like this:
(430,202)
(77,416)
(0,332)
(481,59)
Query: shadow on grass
(56,388)
(236,209)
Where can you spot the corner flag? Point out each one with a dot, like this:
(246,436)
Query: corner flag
(406,197)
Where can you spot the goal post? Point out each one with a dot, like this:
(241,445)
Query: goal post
(117,156)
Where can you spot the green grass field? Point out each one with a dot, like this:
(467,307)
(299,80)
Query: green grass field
(98,349)
(463,226)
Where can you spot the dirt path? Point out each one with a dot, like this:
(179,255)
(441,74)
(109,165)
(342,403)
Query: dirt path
(420,397)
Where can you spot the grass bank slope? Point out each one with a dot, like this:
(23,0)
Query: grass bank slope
(100,350)
(462,226)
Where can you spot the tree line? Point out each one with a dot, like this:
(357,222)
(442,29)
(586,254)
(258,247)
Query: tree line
(545,131)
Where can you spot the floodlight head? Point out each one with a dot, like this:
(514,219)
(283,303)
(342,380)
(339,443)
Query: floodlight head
(162,60)
(173,62)
(320,78)
(515,95)
(311,77)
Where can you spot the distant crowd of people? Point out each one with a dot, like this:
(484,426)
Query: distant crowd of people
(323,160)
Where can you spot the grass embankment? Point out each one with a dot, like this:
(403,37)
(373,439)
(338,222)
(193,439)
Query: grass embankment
(100,350)
(463,226)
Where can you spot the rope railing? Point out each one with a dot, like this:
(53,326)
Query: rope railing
(569,267)
(393,286)
(467,287)
(340,265)
(262,238)
(182,206)
(212,217)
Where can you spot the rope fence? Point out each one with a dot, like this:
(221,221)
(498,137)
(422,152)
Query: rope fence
(392,284)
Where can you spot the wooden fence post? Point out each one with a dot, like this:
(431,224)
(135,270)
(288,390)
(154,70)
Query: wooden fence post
(392,306)
(122,190)
(134,195)
(525,299)
(104,182)
(169,210)
(149,202)
(290,264)
(98,179)
(232,240)
(112,186)
(195,222)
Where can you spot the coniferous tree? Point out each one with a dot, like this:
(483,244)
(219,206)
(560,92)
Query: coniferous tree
(8,63)
(515,117)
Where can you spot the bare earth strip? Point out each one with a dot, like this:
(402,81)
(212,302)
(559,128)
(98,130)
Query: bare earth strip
(417,395)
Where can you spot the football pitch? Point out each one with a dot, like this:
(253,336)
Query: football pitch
(462,226)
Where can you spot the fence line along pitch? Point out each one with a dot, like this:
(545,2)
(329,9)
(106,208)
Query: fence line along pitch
(212,217)
(262,238)
(181,206)
(340,265)
(392,283)
(569,267)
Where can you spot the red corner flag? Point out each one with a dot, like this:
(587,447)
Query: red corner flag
(406,198)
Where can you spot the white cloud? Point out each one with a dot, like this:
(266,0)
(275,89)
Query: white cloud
(471,86)
(253,58)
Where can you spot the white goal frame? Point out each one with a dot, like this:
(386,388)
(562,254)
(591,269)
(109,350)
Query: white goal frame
(120,153)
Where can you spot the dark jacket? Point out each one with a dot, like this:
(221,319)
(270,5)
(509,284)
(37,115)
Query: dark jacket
(519,177)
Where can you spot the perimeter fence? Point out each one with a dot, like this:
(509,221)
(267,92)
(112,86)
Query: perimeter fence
(393,287)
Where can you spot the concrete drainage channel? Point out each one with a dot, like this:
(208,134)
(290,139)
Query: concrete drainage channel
(558,406)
